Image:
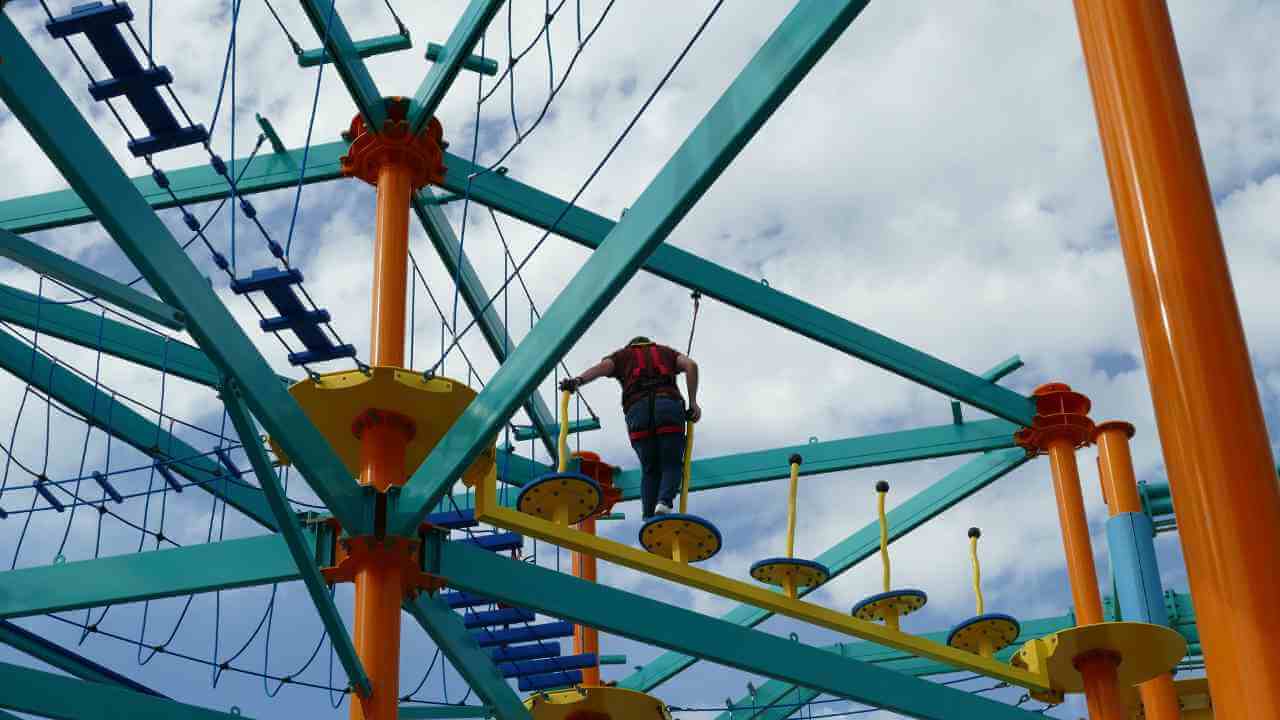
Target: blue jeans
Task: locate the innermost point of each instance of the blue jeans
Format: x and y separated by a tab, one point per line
661	455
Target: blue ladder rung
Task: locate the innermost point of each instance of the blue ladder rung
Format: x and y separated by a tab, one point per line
496	542
532	651
115	87
333	352
277	284
89	17
465	599
159	142
491	618
267	280
296	322
534	683
548	666
454	519
546	631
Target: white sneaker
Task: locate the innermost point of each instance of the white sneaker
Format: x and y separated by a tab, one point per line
662	509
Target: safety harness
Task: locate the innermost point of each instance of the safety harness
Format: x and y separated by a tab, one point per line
648	375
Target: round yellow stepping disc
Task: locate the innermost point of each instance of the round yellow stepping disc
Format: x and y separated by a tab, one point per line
335	400
1145	651
564	497
698	539
896	602
799	573
596	703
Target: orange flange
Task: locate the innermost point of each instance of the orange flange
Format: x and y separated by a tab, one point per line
423	153
353	554
1060	413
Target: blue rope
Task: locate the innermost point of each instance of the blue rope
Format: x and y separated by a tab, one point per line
306	149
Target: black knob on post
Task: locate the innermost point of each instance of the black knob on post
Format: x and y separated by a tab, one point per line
882	486
975	532
795	459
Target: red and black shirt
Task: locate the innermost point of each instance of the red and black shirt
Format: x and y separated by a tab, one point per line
645	369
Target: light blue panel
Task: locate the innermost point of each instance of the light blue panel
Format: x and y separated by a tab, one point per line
457	49
57	696
1134	568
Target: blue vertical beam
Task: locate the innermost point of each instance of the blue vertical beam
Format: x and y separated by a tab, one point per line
112	416
1131	545
513	198
769	77
473	664
474	294
56	696
457	49
43	261
57	656
645	620
61	131
299	548
911	514
342	49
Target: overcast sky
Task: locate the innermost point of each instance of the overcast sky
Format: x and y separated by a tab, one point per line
937	178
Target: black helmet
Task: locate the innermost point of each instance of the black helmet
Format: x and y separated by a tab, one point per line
639	340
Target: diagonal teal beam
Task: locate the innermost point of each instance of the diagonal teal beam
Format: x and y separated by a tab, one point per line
457	49
531	205
57	126
911	514
301	549
768	78
142	576
55	655
104	411
645	620
57	696
474	665
72	273
346	58
475	296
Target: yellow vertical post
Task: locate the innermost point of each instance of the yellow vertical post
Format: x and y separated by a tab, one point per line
562	444
791	506
974	534
688	467
882	490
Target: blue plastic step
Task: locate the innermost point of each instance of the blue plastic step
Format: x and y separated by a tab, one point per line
492	618
101	25
454	520
465	599
532	651
546	631
277	284
551	681
496	542
547	666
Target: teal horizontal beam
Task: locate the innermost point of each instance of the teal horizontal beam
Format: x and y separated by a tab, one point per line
57	126
474	63
96	332
474	665
104	411
429	712
645	620
837	455
146	576
300	545
768	78
55	655
60	697
529	432
336	39
364	48
533	206
191	185
457	50
72	273
911	514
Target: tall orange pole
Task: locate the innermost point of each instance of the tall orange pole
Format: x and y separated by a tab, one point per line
1221	470
586	639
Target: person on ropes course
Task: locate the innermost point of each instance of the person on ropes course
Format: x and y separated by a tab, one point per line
655	412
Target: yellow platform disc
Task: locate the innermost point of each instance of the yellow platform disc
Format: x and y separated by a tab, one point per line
335	400
698	539
567	498
898	602
1145	651
997	631
596	703
800	573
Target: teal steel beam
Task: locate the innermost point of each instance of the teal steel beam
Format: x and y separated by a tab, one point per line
769	77
191	185
475	296
57	696
335	38
301	548
55	655
457	49
911	514
86	329
146	576
474	63
72	273
57	126
533	206
427	712
645	620
837	455
474	665
529	432
364	48
104	411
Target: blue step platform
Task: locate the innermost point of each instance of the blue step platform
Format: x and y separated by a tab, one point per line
546	631
458	600
277	285
548	666
496	542
454	519
101	25
532	651
492	618
535	683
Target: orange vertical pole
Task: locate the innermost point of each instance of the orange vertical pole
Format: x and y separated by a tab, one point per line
390	264
1081	569
587	639
1221	470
